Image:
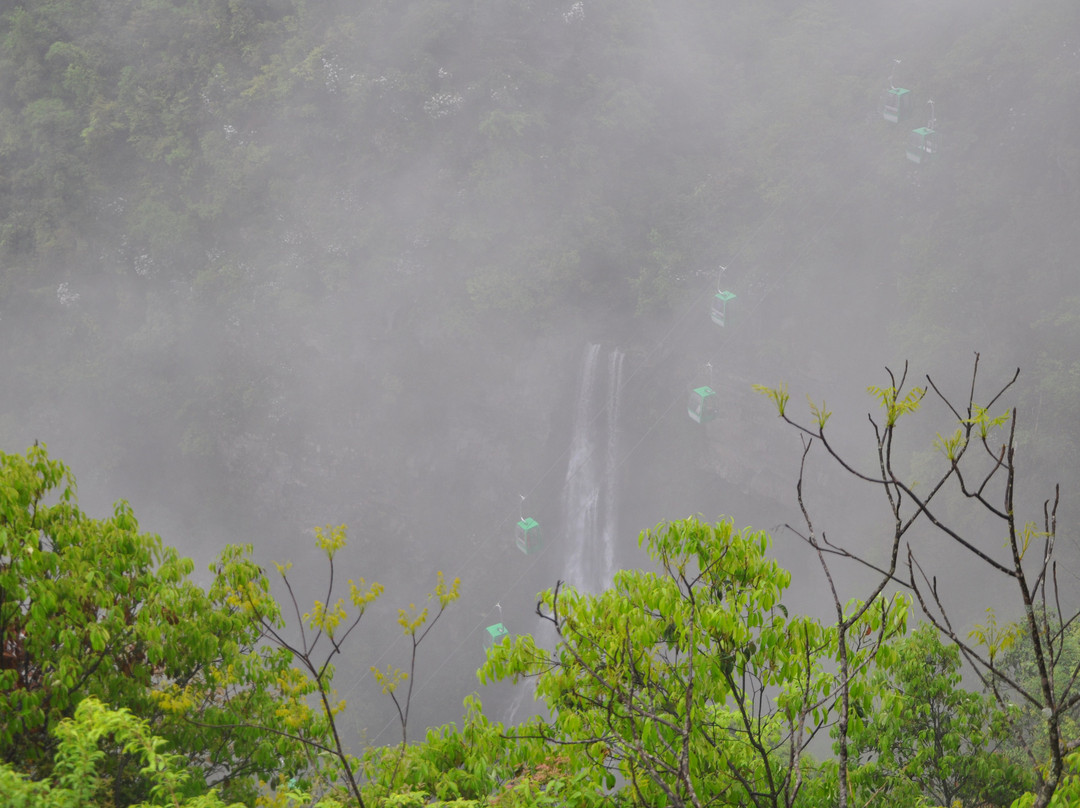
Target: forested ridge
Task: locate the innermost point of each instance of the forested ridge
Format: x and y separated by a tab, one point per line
268	264
224	204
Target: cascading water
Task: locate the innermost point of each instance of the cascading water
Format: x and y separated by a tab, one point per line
590	493
589	496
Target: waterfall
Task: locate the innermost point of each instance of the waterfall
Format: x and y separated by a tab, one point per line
590	493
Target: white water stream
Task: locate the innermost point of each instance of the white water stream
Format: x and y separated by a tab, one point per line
590	493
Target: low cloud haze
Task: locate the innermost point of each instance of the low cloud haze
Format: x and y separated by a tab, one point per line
267	267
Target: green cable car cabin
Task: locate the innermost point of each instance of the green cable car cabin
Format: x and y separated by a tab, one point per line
493	635
527	535
719	306
703	405
896	104
923	144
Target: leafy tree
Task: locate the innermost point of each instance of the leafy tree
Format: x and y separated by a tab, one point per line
852	695
310	674
1067	794
1016	659
94	612
693	684
83	741
978	470
930	739
96	608
482	763
75	779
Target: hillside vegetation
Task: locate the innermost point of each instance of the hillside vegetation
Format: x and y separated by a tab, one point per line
269	264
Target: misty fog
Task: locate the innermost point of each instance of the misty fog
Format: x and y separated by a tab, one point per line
427	269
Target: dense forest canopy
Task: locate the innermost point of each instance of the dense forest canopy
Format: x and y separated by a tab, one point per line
273	219
268	264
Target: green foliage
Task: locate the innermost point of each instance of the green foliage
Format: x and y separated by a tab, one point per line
1067	794
95	608
778	395
895	407
952	445
170	131
481	763
986	423
94	612
86	606
1017	664
821	414
994	638
1035	699
694	684
252	692
76	779
926	738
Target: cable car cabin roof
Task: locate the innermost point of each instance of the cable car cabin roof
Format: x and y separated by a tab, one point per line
897	91
922	131
495	634
725	296
704	391
528	523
